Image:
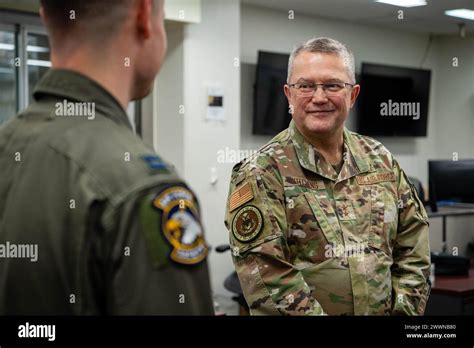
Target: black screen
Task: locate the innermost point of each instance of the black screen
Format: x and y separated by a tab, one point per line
393	101
270	113
451	181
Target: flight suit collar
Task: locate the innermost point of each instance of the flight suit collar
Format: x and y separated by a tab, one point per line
74	86
309	158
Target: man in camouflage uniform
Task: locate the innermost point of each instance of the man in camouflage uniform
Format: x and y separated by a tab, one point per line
116	230
323	220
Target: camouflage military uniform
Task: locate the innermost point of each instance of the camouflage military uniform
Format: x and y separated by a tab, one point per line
309	241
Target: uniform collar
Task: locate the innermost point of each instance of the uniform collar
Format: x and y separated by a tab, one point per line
73	86
355	162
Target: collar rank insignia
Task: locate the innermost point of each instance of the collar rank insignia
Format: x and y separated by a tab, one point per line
155	163
181	225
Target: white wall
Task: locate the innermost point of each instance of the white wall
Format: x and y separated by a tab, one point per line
168	129
455	97
183	10
210	49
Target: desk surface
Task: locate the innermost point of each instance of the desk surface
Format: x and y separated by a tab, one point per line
451	210
454	285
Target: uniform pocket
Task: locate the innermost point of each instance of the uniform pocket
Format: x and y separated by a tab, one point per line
383	219
330	284
305	237
326	217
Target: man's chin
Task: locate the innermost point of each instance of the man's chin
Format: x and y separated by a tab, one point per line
142	92
319	126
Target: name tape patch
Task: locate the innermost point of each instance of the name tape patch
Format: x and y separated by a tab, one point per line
313	185
370	179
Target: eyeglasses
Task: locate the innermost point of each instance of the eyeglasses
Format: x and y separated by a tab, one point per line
307	89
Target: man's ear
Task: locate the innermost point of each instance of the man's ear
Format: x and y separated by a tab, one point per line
287	91
354	94
144	17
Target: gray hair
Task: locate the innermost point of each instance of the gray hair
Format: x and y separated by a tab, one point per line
324	45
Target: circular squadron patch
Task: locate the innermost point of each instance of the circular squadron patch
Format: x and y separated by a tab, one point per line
247	223
181	225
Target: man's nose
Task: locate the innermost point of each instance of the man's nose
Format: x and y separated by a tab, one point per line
319	96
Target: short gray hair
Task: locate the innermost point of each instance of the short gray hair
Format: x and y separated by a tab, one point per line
324	45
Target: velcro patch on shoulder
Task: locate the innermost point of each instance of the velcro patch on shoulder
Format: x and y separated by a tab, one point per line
240	196
179	225
155	163
369	179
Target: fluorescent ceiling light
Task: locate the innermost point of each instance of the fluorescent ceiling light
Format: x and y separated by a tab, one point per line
43	63
29	48
403	3
7	47
37	49
461	13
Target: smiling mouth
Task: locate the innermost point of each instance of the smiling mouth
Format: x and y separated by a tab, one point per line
317	112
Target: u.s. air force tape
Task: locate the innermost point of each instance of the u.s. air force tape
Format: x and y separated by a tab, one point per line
247	224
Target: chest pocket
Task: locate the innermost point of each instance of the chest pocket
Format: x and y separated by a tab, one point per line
383	211
312	223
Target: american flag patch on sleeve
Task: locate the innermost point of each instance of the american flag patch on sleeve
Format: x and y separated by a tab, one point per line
240	196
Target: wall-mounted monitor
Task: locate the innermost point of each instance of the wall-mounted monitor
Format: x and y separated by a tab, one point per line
270	109
393	101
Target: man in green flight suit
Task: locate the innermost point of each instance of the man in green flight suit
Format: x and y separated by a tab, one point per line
92	221
323	220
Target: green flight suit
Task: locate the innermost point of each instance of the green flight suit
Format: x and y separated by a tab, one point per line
116	230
